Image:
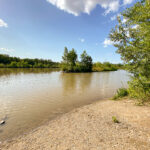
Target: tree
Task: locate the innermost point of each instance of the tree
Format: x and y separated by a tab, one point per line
72	57
65	56
69	60
86	61
132	39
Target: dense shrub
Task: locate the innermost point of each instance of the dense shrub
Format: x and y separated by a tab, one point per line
106	66
121	92
139	88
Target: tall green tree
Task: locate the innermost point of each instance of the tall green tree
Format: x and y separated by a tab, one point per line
65	56
132	39
69	60
72	57
86	61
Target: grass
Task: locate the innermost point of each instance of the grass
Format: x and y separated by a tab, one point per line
115	120
121	92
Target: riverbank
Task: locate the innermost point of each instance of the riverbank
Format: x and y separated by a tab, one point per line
91	128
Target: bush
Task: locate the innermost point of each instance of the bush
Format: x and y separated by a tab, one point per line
13	64
122	92
106	66
97	69
139	88
2	65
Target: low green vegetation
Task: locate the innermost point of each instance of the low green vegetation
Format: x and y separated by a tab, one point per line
121	92
132	40
106	66
115	120
70	63
14	62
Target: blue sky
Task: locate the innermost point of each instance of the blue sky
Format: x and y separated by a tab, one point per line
41	28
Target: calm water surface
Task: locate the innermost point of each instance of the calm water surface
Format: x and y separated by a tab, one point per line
30	97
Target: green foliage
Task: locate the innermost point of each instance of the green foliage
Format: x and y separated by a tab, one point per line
13	62
69	60
132	40
98	67
115	120
72	58
70	63
121	92
106	66
139	88
86	62
65	56
2	66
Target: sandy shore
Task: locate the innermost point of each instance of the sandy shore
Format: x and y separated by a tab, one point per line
91	128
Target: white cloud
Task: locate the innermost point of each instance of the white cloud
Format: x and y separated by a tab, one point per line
107	42
3	24
82	40
126	2
76	7
111	6
6	50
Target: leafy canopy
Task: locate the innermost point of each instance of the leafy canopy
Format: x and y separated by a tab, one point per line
86	61
132	39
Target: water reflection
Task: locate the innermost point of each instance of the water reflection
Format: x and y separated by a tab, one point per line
85	81
16	71
72	83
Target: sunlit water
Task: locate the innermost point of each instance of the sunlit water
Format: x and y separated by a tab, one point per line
30	97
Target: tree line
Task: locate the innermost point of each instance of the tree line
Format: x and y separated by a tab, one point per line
14	62
70	63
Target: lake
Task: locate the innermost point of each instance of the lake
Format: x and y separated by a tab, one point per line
31	97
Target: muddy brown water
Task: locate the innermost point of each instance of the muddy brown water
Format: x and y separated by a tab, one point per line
30	97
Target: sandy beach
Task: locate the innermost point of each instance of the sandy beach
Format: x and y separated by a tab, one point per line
91	128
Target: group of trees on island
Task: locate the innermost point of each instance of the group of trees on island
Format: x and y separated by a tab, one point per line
14	62
132	39
70	61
